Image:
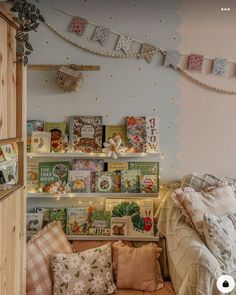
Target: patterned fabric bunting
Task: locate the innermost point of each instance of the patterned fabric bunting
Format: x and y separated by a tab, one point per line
78	25
219	66
101	34
147	48
195	62
172	58
124	43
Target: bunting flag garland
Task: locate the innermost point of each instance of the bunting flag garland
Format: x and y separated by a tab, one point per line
146	50
101	34
124	43
219	66
172	58
195	62
78	25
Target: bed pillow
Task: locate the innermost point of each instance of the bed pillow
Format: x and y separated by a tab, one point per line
39	249
87	272
193	205
220	236
138	268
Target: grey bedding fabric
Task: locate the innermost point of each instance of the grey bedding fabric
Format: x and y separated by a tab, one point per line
193	268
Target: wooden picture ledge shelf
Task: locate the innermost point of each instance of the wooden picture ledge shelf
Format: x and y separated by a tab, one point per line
51	67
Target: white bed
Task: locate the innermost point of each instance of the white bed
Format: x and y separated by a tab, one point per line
192	267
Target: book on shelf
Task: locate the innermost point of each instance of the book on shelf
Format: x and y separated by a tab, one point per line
117	166
34	222
116	176
148	184
2	158
139	215
58	132
130	181
10	172
77	221
40	142
45	212
2	178
86	133
9	152
100	223
58	214
142	134
32	179
113	130
79	181
119	226
104	182
33	125
52	172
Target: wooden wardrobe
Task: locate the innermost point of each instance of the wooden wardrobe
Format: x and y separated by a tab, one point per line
12	129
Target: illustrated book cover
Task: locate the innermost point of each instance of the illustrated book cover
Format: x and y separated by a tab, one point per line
40	142
77	221
113	130
119	226
52	172
104	182
86	133
33	125
58	214
32	180
2	158
10	173
130	181
8	152
79	181
117	166
58	131
45	212
100	223
34	223
148	184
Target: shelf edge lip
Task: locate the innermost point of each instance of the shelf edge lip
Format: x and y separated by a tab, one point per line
89	155
10	140
4	194
93	195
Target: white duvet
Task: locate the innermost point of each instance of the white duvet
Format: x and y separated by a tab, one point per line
193	268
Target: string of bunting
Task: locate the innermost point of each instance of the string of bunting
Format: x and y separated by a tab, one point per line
172	58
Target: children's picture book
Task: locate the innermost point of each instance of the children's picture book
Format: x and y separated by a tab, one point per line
58	131
117	166
58	214
100	219
130	181
8	152
9	172
2	158
113	130
52	172
33	125
40	142
79	181
148	184
119	226
86	133
2	178
45	212
116	175
142	134
77	221
32	180
139	215
146	168
34	222
104	182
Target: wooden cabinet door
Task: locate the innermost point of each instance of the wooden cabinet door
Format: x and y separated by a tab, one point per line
7	80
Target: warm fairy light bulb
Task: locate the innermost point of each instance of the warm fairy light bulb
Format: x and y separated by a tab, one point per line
90	203
80	202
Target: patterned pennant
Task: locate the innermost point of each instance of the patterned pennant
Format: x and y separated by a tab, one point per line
147	48
78	25
124	43
195	62
219	66
101	34
172	58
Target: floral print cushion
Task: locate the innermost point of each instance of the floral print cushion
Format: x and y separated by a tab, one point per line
220	236
88	272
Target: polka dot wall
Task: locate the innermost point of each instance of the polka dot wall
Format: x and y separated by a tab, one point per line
123	86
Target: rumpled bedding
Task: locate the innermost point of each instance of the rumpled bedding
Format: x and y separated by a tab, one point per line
192	267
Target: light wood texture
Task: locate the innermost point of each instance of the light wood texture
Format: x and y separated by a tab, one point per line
48	67
10	140
7	15
5	193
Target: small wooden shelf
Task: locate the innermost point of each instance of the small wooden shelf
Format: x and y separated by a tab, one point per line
94	195
112	238
4	193
10	140
90	155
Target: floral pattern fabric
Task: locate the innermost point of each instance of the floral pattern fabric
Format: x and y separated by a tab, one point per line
88	272
195	62
219	66
78	25
101	34
124	43
220	236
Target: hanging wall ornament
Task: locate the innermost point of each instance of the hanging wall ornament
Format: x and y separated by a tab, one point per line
101	34
172	58
124	43
219	66
113	147
148	51
78	25
195	62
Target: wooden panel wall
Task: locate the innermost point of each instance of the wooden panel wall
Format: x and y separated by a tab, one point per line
12	245
7	81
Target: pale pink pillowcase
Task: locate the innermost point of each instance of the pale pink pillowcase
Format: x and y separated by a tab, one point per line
193	205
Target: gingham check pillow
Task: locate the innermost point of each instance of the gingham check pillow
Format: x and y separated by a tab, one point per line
50	240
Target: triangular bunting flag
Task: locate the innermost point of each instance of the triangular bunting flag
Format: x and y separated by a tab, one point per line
78	25
146	48
195	62
172	58
101	34
124	43
219	66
